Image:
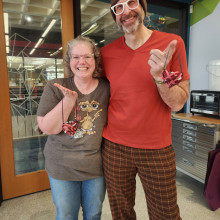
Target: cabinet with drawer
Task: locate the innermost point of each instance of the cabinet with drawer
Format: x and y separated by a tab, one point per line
193	137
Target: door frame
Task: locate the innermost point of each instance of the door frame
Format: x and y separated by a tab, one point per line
14	186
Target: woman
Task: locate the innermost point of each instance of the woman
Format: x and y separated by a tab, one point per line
72	151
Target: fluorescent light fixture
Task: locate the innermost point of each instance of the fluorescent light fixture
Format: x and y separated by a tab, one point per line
36	45
56	52
6	23
6	32
91	29
102	41
49	27
43	35
7	43
32	51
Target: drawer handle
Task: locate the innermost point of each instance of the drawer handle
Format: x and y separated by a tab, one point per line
188	144
188	138
187	162
192	127
188	150
189	132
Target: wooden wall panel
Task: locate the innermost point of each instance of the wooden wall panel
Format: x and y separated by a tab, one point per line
5	113
67	22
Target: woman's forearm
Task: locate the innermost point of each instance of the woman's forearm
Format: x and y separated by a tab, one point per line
52	122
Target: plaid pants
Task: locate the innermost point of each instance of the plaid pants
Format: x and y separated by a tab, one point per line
156	169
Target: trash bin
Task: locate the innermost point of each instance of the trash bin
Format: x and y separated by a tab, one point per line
213	69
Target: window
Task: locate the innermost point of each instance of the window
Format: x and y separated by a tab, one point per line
33	47
97	23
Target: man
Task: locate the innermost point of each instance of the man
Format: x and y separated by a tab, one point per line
137	138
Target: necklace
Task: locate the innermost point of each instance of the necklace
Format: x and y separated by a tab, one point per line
70	127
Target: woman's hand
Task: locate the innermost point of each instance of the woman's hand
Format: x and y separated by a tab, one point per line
52	122
68	94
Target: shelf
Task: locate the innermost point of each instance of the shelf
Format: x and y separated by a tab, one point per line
197	118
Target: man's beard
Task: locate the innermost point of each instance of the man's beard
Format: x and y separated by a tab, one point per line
132	28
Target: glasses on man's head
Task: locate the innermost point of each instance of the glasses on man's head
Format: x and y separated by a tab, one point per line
86	57
120	7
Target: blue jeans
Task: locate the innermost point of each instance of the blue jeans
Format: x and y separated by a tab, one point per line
69	195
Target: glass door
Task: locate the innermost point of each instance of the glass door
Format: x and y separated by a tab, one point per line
34	56
98	24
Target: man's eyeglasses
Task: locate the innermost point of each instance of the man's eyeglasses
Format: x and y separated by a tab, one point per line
86	57
120	7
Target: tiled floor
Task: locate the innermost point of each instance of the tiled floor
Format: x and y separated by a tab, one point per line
39	206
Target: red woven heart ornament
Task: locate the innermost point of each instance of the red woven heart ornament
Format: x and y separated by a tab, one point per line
172	78
70	127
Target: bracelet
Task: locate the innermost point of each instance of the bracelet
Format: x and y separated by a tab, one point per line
158	82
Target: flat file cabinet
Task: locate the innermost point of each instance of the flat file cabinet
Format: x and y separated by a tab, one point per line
193	137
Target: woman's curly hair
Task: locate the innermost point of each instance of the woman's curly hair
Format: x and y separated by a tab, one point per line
96	51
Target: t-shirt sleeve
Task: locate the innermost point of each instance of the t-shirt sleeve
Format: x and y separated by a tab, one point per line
49	99
180	59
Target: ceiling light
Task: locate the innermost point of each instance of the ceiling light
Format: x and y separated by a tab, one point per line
6	32
91	29
49	27
43	35
28	18
56	52
6	23
7	43
32	51
36	45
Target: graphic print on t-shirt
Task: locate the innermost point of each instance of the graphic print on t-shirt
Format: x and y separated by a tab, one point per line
87	122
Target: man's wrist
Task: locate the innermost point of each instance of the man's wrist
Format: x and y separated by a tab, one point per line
158	81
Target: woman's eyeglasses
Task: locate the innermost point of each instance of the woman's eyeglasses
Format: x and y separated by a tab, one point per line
86	57
172	78
70	127
120	7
